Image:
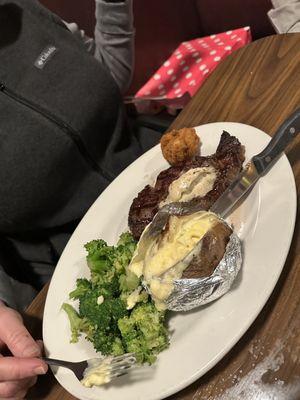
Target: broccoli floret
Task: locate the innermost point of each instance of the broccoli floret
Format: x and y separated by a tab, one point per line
82	286
129	282
144	333
139	347
149	319
132	298
124	252
101	314
103	342
105	262
117	347
107	344
143	297
109	289
77	324
90	309
118	309
98	247
107	338
104	318
100	260
126	239
127	328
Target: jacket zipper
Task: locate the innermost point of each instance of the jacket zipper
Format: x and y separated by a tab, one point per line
72	133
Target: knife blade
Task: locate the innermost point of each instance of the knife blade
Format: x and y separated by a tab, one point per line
258	166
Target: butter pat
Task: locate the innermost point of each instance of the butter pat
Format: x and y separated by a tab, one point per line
196	182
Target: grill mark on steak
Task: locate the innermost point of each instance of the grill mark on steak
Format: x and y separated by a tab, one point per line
227	161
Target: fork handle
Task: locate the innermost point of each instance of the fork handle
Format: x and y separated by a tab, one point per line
59	363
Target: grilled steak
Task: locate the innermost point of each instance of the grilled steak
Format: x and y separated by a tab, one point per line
227	161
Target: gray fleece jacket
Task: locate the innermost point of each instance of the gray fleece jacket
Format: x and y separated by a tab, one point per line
113	48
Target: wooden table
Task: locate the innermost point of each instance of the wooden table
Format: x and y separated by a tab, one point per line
257	85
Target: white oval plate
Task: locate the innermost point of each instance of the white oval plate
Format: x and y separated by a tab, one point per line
199	339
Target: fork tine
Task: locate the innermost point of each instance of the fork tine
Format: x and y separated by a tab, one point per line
129	361
123	357
121	368
118	374
120	365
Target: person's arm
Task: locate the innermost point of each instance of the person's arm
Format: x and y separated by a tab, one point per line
285	16
114	39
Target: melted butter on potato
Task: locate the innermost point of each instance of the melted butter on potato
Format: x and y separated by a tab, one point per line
161	261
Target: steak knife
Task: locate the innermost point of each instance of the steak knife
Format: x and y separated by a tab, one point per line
258	166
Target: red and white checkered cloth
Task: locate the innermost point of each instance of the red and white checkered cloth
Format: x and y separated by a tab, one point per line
191	63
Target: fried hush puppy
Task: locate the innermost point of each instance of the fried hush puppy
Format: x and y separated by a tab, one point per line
179	146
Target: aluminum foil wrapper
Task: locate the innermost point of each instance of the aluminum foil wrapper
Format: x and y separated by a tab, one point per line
191	293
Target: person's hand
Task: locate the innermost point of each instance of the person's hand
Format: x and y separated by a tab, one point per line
19	371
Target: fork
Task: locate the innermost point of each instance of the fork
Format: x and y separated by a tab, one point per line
117	366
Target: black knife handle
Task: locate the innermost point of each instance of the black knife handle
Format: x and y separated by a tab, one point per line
284	135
